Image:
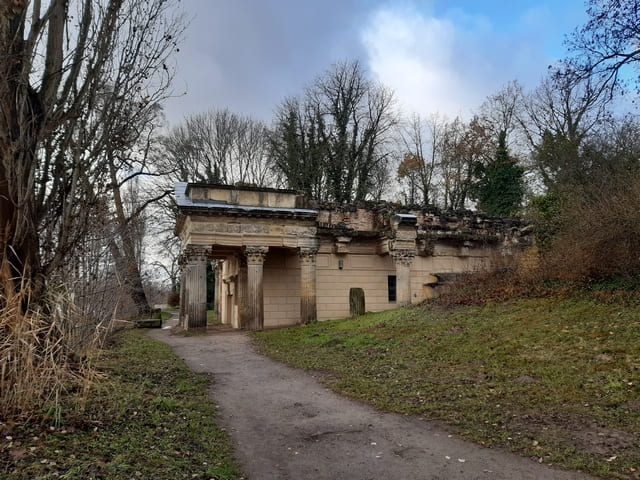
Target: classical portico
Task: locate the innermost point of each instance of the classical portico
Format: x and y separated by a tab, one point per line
278	262
241	229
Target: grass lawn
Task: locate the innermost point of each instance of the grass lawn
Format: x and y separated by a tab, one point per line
554	379
211	318
149	418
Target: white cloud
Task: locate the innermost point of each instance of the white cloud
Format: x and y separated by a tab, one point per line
446	65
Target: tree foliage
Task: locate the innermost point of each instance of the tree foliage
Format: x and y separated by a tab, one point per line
218	146
297	151
464	147
557	118
421	144
498	186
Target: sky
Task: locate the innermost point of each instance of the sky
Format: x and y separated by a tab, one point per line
438	56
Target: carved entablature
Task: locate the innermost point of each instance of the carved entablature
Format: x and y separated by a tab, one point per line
342	244
307	255
255	255
402	244
403	256
245	220
425	246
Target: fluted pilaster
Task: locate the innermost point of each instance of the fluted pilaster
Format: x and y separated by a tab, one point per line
403	260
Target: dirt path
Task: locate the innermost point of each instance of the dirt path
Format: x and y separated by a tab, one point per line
286	425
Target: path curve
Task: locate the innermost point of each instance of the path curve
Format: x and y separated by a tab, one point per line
286	425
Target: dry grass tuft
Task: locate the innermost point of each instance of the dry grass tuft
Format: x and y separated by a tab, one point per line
43	355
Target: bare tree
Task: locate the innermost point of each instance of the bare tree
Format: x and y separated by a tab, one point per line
422	143
557	117
217	147
132	192
344	123
500	113
607	43
76	78
463	146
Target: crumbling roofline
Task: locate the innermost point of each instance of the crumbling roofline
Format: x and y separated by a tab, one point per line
248	188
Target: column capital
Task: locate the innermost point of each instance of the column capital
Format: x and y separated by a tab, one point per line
242	259
403	256
307	255
195	254
255	254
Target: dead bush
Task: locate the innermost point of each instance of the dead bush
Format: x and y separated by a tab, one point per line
599	233
44	354
505	277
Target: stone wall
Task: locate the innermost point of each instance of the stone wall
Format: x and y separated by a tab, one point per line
280	261
281	288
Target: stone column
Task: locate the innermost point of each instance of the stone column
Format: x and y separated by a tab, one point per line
217	293
308	312
183	292
242	287
255	306
196	290
403	260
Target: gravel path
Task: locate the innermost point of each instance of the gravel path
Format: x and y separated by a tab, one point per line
286	425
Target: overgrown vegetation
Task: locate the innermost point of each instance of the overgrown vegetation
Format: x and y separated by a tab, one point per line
556	379
149	417
598	232
44	355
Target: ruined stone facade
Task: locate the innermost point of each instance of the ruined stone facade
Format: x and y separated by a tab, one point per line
279	260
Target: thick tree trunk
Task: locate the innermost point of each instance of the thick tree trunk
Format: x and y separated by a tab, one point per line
20	127
128	271
128	265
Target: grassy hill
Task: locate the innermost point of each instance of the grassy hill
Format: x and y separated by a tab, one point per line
556	379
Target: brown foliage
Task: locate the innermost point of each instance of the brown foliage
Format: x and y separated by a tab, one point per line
599	234
506	278
596	249
43	355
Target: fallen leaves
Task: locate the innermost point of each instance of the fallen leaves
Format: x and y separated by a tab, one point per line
17	454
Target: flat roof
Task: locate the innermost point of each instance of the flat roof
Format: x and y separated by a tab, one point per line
248	188
185	202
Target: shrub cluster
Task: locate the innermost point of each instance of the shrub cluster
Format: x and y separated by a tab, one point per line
598	234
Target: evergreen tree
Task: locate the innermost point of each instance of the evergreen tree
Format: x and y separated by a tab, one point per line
499	186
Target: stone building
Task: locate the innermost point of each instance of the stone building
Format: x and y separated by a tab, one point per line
280	260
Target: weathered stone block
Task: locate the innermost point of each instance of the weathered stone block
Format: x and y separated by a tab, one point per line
148	323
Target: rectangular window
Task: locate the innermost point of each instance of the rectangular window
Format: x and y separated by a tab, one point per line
391	287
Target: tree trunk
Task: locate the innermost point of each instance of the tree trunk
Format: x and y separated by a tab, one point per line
128	263
128	271
20	128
